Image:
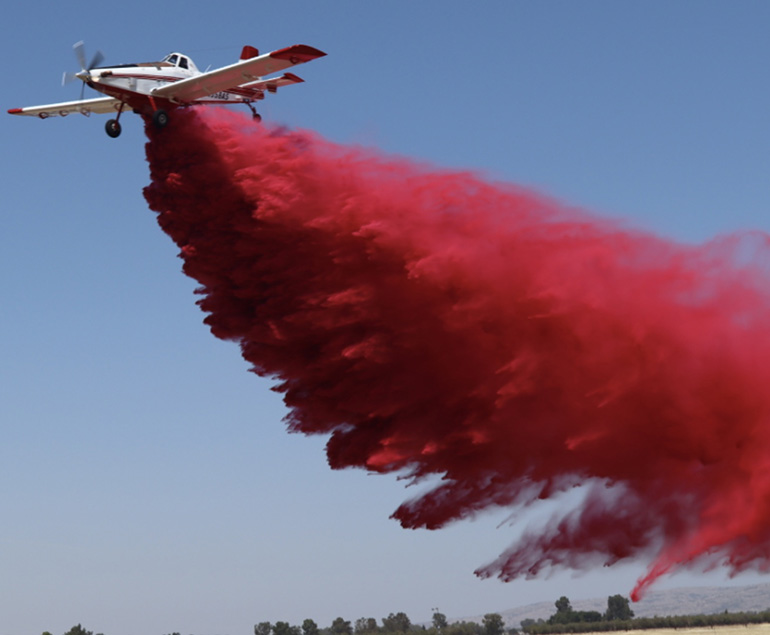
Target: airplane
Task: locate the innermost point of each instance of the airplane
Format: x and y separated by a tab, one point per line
154	89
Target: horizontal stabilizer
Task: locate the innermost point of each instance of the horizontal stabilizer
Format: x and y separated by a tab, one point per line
274	83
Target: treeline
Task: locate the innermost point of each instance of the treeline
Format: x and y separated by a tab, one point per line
568	620
620	617
393	624
617	617
75	630
542	627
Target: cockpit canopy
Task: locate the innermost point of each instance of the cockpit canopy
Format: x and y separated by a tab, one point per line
179	60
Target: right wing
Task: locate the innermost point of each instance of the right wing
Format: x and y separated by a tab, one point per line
99	105
242	72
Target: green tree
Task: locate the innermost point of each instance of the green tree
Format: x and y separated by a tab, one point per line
284	628
396	623
365	625
78	630
588	616
564	613
439	620
341	627
493	624
464	628
618	608
309	627
563	605
263	628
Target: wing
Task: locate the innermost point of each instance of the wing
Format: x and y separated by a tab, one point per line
99	105
242	72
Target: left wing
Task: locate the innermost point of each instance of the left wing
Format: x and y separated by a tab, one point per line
242	72
99	105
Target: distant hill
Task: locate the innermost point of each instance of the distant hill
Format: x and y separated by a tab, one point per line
683	601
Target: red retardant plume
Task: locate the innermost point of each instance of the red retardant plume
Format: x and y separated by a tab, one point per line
437	325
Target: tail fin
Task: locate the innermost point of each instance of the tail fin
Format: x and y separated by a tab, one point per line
248	52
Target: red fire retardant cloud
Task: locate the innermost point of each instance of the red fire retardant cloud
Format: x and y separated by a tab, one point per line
436	325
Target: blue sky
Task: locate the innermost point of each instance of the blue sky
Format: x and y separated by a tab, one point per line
148	484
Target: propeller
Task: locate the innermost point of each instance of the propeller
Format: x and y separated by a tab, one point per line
85	70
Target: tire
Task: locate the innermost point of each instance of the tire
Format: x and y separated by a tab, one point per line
160	118
112	127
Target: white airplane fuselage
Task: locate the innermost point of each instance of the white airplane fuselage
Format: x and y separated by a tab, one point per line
129	81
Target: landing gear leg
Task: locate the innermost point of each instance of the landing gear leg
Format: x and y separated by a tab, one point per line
112	127
254	114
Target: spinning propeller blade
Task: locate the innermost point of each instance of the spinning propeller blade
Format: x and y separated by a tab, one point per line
85	71
96	60
79	49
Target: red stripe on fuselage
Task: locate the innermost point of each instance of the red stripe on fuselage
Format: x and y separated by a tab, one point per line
156	78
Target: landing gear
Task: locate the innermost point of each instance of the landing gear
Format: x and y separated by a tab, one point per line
254	114
160	118
112	127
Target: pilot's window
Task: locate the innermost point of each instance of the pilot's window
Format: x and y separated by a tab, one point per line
172	59
183	62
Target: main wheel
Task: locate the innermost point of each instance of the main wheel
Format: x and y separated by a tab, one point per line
160	118
257	117
112	127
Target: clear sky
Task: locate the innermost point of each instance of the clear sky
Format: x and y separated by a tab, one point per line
148	484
